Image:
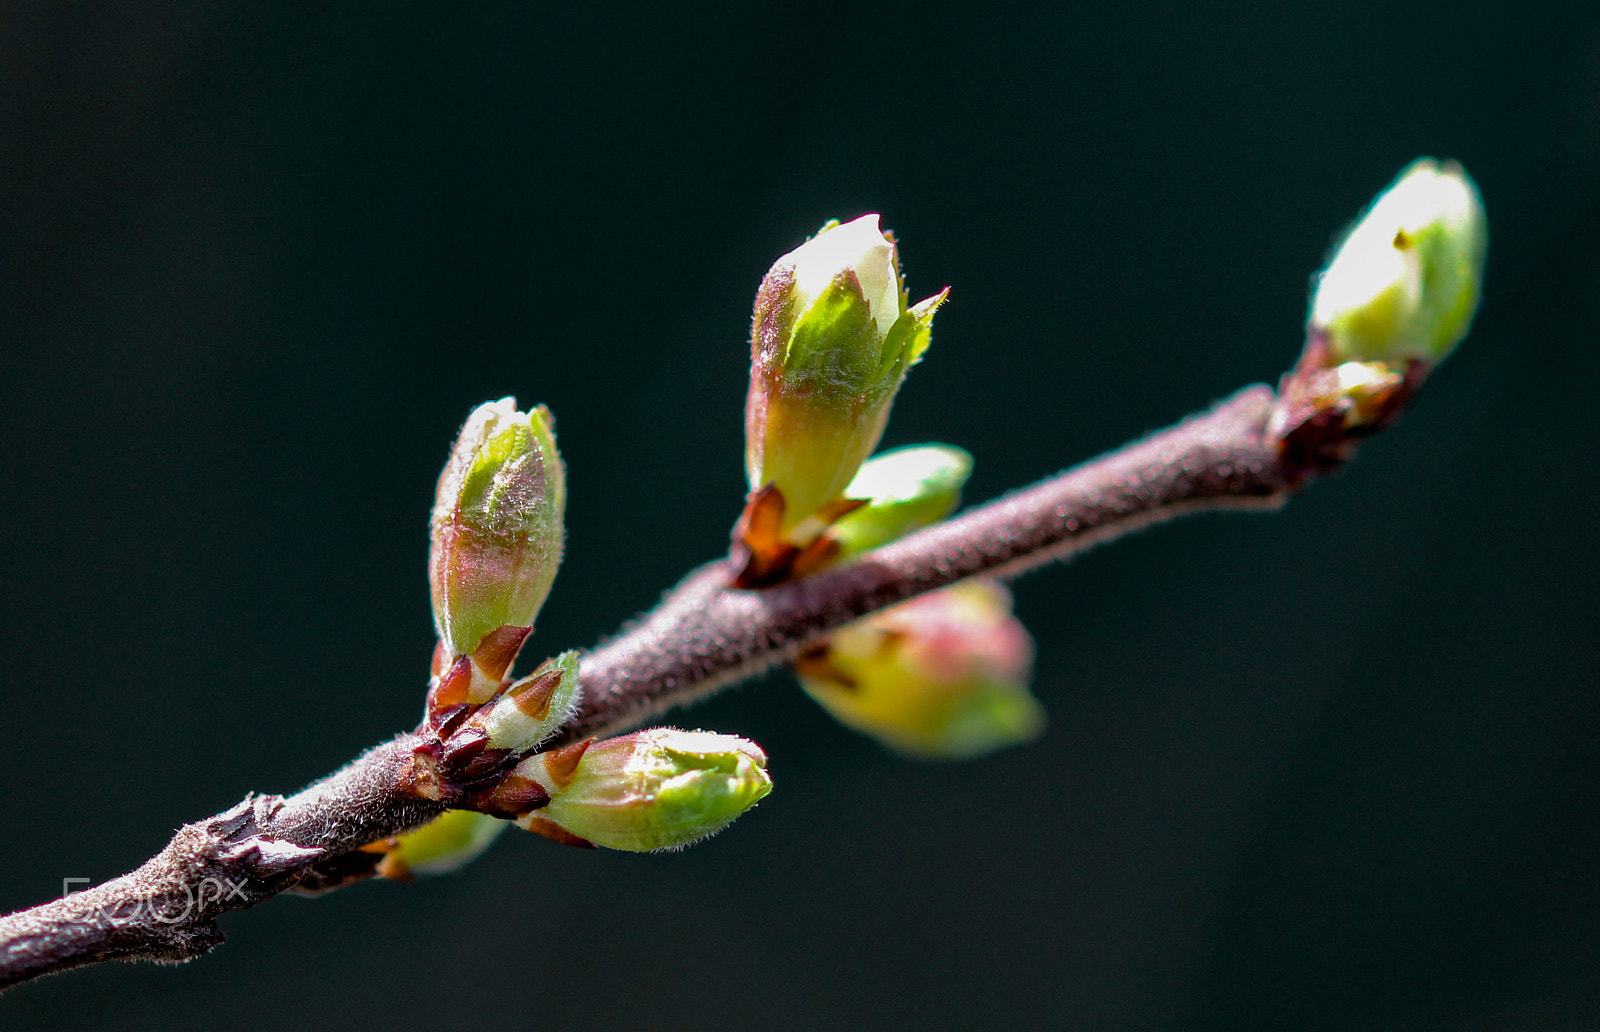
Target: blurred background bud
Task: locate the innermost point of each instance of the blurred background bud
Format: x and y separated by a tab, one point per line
497	525
906	489
448	843
656	789
943	676
1404	283
831	340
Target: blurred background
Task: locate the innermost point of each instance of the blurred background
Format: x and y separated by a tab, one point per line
1334	768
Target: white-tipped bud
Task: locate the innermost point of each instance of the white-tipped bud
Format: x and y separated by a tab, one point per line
1404	283
831	340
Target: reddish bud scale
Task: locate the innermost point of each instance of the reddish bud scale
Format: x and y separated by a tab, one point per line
394	869
524	713
554	832
461	748
533	696
472	777
499	650
477	678
561	765
767	557
453	687
512	796
482	765
469	764
1319	422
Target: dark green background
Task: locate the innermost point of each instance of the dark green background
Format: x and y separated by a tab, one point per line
1333	768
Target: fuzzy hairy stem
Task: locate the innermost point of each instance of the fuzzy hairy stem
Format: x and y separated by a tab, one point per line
704	636
166	910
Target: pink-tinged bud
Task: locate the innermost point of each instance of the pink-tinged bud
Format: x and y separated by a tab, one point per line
656	789
496	529
943	676
831	341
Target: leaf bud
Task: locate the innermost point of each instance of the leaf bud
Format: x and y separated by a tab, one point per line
528	711
831	340
906	489
943	676
497	525
1404	283
655	789
447	843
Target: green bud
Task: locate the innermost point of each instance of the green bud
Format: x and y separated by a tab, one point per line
943	676
449	842
831	340
656	789
1404	283
906	489
528	711
497	525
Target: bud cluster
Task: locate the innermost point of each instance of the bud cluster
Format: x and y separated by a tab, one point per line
495	545
831	340
944	675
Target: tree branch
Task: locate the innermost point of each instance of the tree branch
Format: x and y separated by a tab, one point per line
703	637
166	910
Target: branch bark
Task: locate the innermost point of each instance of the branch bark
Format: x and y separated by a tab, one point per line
166	910
703	637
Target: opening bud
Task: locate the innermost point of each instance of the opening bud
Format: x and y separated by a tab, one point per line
831	340
906	489
656	789
448	843
528	711
1404	283
497	525
943	676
